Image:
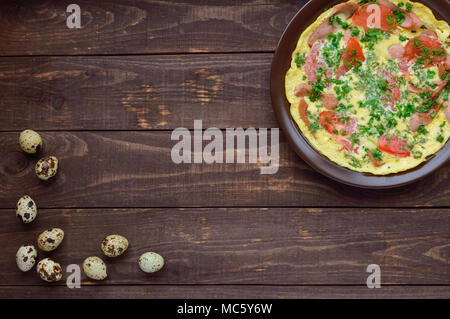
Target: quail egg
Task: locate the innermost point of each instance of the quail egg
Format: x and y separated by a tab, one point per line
50	239
114	245
150	262
94	268
49	270
46	167
26	257
26	209
30	141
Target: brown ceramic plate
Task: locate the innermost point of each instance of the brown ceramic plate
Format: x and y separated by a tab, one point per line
281	64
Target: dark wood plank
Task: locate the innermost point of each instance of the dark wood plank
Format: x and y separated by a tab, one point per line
245	246
138	26
135	169
135	92
226	292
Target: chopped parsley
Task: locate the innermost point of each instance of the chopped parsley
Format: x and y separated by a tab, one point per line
409	7
440	139
331	52
333	20
405	110
355	32
377	155
318	87
399	16
342	91
403	38
300	60
313	122
390	19
372	36
354	162
422	130
342	108
417	154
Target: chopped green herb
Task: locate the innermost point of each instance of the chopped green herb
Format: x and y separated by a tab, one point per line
422	130
354	162
399	16
430	74
355	32
440	138
337	20
377	155
405	110
361	2
403	38
300	60
341	108
331	52
342	91
313	122
417	42
417	154
409	7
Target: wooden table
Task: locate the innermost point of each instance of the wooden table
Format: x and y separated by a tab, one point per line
106	98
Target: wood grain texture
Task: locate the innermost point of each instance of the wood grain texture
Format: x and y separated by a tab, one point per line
245	246
135	92
135	169
225	292
138	26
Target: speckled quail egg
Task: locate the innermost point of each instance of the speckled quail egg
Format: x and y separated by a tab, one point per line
50	239
94	268
30	141
26	209
26	257
49	270
46	167
114	245
150	262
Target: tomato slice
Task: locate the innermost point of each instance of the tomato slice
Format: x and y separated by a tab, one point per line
341	128
394	145
388	23
415	49
352	54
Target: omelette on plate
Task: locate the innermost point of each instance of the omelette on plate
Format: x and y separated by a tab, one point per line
368	85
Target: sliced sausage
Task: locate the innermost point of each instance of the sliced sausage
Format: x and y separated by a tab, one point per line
396	51
430	33
418	119
311	63
303	111
322	32
412	22
414	89
329	101
303	89
440	86
347	9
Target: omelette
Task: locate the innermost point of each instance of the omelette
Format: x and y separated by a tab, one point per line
368	85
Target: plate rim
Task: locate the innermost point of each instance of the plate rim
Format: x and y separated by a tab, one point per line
299	142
